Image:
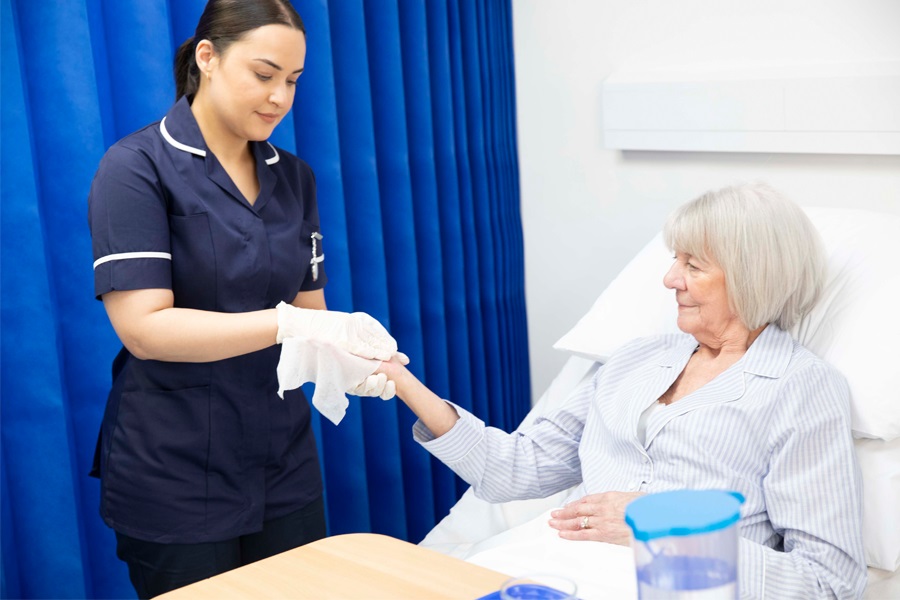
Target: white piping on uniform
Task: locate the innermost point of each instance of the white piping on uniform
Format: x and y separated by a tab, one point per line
127	255
177	144
274	159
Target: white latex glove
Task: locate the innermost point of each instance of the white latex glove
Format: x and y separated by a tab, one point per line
379	385
358	333
375	385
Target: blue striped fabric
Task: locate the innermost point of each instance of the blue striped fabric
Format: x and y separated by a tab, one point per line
774	427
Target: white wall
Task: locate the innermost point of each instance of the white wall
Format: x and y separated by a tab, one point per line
587	210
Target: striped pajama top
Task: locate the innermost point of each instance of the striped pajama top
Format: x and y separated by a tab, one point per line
775	427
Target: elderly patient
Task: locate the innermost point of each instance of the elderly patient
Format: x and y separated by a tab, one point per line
733	403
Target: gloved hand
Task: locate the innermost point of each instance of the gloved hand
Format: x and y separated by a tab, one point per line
379	385
375	385
357	333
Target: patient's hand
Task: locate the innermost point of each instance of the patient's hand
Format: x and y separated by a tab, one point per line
597	517
394	368
437	415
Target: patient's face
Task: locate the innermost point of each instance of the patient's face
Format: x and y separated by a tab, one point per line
699	285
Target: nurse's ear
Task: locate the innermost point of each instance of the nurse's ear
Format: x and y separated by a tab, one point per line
206	57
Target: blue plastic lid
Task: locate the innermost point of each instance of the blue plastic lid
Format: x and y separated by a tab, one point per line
682	512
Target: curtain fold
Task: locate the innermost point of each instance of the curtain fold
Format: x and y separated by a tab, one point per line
398	232
406	113
448	216
426	214
362	199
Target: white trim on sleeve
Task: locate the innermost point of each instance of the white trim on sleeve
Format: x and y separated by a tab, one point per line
128	255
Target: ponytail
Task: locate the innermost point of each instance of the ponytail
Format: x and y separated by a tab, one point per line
187	75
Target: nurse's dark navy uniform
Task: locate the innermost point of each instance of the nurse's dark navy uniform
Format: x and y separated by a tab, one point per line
202	452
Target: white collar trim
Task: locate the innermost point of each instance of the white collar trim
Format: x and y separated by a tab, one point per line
175	143
274	159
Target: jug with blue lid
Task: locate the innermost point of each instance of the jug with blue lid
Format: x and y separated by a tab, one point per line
686	544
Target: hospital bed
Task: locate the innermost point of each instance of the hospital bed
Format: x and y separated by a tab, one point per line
855	327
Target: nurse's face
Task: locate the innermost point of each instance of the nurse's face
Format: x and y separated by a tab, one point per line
251	85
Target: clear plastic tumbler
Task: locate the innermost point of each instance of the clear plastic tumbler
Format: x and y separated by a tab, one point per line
686	544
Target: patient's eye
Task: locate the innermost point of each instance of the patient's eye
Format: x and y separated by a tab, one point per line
685	259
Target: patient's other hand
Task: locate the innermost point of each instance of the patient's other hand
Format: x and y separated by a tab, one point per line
596	517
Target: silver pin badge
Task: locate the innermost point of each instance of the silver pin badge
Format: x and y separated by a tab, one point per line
316	259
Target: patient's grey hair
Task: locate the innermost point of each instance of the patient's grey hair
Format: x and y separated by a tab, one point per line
771	253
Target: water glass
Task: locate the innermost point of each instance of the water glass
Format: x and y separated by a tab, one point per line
686	544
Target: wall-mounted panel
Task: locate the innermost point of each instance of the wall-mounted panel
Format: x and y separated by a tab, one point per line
842	108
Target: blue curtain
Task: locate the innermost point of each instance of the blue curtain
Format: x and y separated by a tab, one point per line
406	112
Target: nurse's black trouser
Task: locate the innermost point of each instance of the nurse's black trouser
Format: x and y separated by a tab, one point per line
155	569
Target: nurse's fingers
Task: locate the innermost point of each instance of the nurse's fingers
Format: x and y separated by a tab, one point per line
390	390
376	386
373	385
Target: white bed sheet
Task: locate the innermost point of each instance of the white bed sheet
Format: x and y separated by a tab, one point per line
599	570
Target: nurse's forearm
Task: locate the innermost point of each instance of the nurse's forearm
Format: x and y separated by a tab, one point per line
151	328
435	413
187	335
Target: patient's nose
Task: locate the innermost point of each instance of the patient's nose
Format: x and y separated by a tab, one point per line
674	278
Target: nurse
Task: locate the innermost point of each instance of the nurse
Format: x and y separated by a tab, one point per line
200	229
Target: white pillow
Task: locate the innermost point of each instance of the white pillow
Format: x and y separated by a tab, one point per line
855	326
635	304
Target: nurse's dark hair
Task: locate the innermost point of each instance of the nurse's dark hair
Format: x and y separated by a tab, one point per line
224	22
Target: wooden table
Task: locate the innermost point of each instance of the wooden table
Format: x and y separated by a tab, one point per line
354	566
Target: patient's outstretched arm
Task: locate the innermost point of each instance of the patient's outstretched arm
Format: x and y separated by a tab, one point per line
436	414
532	463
